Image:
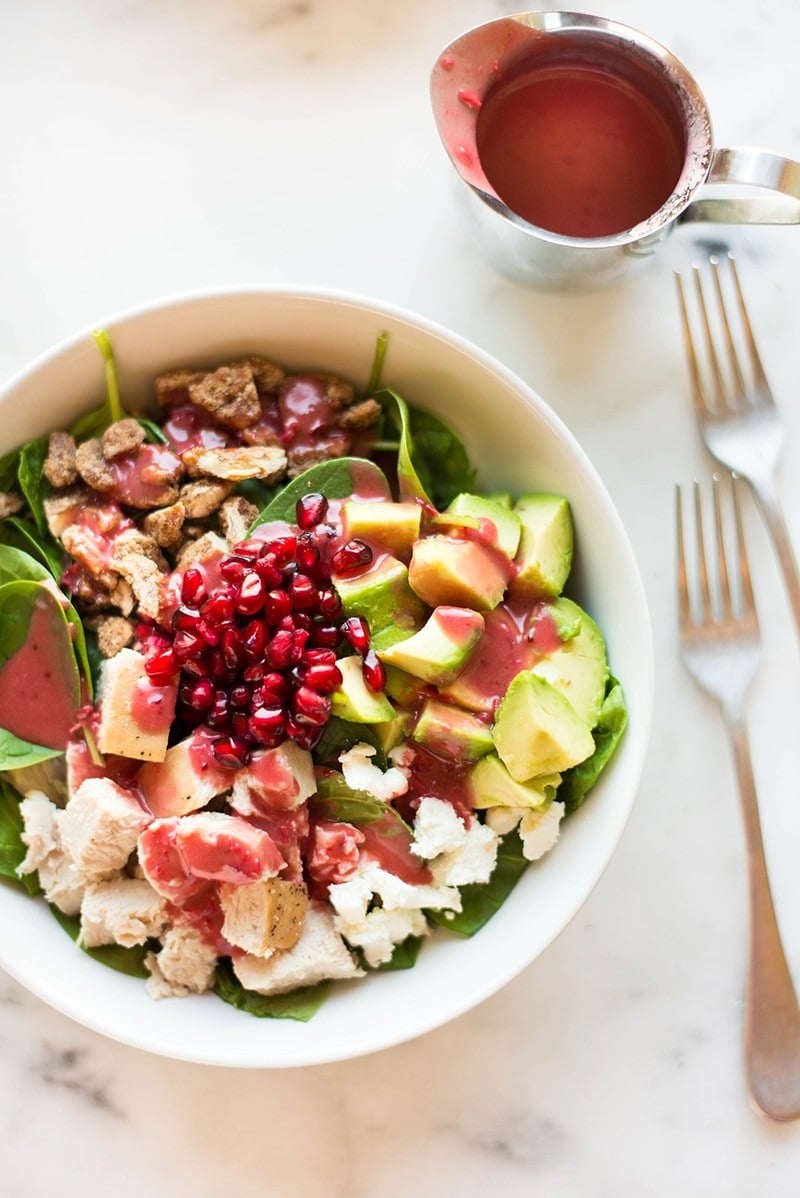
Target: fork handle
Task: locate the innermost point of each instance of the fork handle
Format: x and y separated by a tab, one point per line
772	1014
766	493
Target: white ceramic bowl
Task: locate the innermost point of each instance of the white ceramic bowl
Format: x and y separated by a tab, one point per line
519	445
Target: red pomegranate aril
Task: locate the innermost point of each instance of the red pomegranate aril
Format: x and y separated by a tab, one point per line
231	751
302	591
240	695
268	720
277	605
325	635
209	632
374	671
193	587
253	673
307	554
254	639
284	549
231	648
352	556
250	596
199	695
186	619
276	683
216	665
310	510
319	657
310	707
268	572
195	667
355	631
279	650
286	623
329	604
248	549
232	570
240	725
309	736
326	679
299	638
187	645
163	663
219	608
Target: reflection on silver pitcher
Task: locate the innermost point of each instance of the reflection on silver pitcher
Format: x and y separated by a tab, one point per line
582	143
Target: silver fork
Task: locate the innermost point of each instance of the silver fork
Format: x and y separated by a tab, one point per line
738	419
721	647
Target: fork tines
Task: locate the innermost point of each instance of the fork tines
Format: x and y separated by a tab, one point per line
724	588
732	379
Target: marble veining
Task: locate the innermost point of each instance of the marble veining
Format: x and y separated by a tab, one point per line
150	148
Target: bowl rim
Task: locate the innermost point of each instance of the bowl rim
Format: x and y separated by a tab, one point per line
423	1020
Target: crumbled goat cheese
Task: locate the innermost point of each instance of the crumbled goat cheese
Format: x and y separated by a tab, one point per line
184	965
539	830
124	911
458	854
360	774
320	953
373	930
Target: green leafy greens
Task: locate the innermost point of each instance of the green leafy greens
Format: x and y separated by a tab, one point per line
12	850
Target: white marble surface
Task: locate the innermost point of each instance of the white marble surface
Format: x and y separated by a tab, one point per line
154	146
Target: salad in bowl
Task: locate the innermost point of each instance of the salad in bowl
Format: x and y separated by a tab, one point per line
286	693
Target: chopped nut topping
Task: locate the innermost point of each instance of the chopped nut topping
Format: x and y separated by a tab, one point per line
302	459
59	509
229	395
267	376
360	415
139	559
172	387
60	468
236	517
201	498
266	462
113	633
165	525
122	437
10	504
93	467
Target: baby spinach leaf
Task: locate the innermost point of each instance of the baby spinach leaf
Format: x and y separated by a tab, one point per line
9	464
336	479
12	850
336	800
94	423
23	534
17	754
480	900
18	566
115	956
340	735
299	1004
578	781
155	433
432	463
32	481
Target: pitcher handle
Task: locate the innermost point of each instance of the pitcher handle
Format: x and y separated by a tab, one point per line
747	167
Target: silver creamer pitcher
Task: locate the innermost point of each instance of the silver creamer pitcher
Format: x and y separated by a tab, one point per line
481	58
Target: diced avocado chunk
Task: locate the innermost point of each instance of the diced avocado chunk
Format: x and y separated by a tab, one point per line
502	497
441	648
354	700
579	668
450	732
392	733
393	526
384	598
458	571
544	556
499	526
537	731
402	687
490	785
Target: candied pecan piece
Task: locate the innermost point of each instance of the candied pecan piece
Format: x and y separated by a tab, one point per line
267	375
303	458
165	525
230	395
202	497
93	467
236	517
200	549
60	468
123	436
236	463
59	509
172	387
360	415
139	560
10	504
113	633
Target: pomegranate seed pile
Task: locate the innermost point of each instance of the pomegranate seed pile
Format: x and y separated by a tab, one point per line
256	657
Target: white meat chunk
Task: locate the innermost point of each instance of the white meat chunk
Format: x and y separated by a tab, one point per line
263	916
184	965
40	830
62	882
124	911
320	953
100	826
